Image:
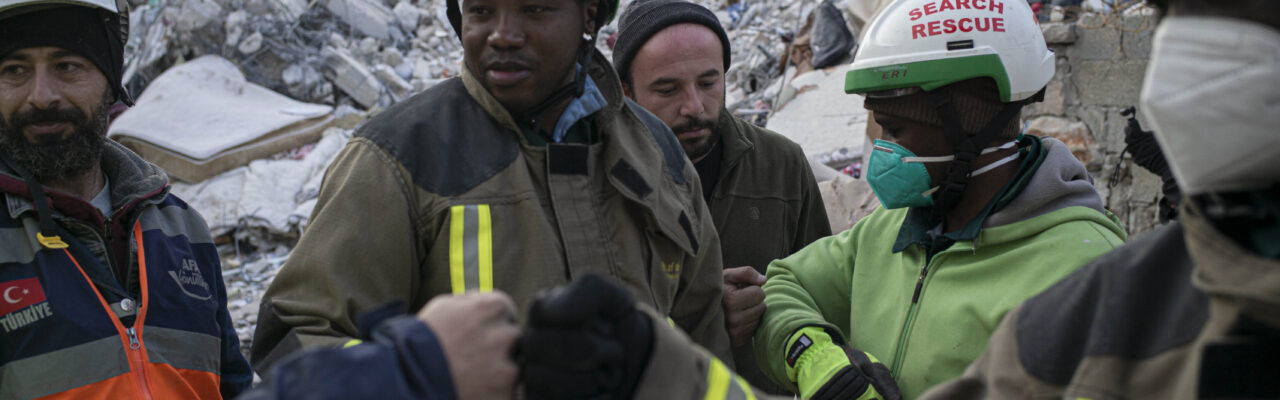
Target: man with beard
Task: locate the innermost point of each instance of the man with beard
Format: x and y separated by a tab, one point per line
1192	309
671	56
529	170
97	260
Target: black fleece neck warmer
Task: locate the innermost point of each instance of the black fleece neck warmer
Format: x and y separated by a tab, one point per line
87	32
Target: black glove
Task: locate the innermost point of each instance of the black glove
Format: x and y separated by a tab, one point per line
1147	154
854	380
584	340
1142	144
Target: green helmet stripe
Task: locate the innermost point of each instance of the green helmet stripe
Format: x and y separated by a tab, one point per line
929	75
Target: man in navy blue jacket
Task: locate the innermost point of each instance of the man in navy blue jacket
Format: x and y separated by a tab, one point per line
110	286
456	347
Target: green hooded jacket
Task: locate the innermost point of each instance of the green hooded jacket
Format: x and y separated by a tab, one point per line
856	284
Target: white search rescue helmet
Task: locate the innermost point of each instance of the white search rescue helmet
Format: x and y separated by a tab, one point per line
916	45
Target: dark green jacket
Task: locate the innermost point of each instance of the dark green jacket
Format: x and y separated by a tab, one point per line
765	206
441	194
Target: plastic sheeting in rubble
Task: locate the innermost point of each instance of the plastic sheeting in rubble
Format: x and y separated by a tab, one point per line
274	194
201	118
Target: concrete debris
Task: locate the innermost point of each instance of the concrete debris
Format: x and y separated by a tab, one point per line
274	195
251	44
408	16
1074	133
847	200
815	112
393	81
1058	32
370	18
195	14
368	46
352	76
281	45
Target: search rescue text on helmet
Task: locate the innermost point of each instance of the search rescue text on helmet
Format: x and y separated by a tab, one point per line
952	25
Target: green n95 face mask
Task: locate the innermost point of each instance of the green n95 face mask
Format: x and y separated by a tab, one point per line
899	178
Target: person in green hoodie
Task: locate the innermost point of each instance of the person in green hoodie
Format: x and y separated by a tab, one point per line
976	217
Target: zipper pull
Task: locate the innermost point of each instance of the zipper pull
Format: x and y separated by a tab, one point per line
915	297
133	339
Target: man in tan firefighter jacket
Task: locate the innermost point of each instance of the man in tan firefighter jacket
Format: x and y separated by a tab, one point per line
529	170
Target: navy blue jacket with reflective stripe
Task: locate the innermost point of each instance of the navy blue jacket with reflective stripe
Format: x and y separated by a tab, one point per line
76	335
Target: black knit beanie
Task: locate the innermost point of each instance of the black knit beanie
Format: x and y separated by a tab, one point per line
644	18
85	31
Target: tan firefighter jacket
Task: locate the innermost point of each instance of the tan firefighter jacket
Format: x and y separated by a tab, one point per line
1184	312
442	194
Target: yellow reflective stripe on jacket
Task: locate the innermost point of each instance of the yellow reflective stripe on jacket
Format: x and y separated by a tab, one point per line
718	384
470	248
717	380
485	248
745	388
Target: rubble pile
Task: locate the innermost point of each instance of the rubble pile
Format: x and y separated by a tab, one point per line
372	53
760	33
364	53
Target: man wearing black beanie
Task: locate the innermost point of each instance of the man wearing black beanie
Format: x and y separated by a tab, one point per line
672	56
98	261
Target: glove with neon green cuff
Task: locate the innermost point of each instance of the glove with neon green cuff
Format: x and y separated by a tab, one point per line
824	369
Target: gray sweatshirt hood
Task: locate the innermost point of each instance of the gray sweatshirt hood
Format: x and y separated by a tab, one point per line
1060	182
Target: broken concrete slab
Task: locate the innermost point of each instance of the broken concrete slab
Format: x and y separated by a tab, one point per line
399	87
821	117
195	14
407	15
352	76
370	18
1058	32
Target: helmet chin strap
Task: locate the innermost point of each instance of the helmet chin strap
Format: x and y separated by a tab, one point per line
569	91
967	148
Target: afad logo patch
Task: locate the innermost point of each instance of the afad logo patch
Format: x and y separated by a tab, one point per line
22	302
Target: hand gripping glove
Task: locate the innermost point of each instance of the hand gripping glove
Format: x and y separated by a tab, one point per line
824	369
584	341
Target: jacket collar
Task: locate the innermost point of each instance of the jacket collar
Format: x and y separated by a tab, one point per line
600	71
133	180
626	141
736	137
1224	269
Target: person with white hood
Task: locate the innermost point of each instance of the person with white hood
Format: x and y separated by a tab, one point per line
1191	310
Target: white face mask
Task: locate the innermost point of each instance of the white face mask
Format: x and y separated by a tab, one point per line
1212	95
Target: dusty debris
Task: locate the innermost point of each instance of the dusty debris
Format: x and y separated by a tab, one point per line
821	117
281	45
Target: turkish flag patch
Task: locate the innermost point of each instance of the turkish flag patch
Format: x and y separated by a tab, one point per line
20	294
